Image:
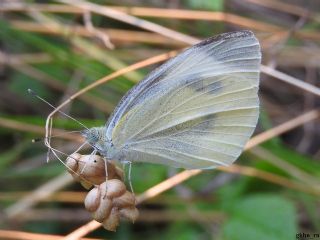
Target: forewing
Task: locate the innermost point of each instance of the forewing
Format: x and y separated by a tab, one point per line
196	111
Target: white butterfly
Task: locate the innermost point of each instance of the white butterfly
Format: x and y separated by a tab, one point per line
197	110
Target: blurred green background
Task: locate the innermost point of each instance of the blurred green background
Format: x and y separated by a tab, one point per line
57	49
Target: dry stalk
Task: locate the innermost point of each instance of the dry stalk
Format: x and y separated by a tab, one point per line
168	13
27	127
42	192
19	235
118	35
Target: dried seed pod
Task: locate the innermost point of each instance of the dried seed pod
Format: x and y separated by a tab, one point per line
112	222
103	210
90	169
92	200
125	200
97	203
131	214
73	163
109	201
115	188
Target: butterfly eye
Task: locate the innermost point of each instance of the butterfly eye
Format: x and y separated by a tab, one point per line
91	135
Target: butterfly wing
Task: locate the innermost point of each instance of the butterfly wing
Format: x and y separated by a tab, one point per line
197	110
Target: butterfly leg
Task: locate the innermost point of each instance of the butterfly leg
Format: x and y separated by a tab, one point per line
129	177
48	139
107	176
86	164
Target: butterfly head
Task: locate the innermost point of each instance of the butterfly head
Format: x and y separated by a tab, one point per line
96	137
93	135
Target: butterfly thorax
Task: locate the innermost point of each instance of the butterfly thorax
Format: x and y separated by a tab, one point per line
97	138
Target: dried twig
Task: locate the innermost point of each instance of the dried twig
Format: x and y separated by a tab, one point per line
68	215
87	47
289	79
61	196
287	8
123	17
118	35
40	193
168	13
96	32
282	128
19	235
27	127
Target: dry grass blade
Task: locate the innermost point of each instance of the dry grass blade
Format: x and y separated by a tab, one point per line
31	58
155	12
18	235
85	46
83	230
285	7
170	13
290	80
40	193
270	177
26	127
61	196
167	184
116	35
106	11
201	15
282	128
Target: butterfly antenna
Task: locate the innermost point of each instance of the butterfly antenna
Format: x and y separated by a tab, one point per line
33	93
58	135
36	140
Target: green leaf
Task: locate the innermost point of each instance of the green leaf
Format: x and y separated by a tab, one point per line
216	5
263	217
183	231
6	158
146	175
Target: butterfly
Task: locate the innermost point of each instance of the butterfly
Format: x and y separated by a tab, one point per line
196	111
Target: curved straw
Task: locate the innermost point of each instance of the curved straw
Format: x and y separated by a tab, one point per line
118	73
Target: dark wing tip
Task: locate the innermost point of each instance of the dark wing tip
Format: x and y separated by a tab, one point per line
226	36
